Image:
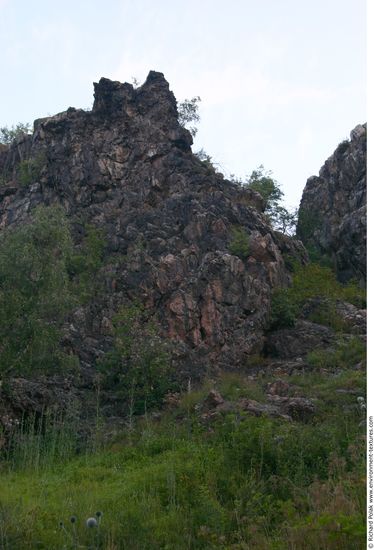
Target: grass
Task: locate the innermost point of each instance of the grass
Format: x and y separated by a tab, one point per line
309	282
178	483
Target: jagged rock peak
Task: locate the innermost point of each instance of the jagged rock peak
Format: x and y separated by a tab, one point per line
112	97
169	223
332	215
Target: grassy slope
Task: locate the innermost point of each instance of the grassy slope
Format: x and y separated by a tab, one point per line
239	482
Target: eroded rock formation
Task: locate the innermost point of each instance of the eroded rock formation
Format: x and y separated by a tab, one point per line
332	215
127	167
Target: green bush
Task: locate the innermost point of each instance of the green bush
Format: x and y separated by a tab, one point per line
29	170
308	222
314	281
85	262
182	481
347	354
326	314
139	366
35	293
239	243
283	310
8	135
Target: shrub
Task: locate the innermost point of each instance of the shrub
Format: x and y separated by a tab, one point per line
346	355
8	135
283	310
139	365
239	243
308	282
308	222
29	170
83	264
34	291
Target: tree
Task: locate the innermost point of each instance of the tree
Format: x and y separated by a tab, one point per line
34	292
262	181
284	220
188	113
8	135
281	219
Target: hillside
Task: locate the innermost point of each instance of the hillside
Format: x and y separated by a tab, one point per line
168	361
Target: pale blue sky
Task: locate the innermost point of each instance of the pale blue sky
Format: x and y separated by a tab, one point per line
282	82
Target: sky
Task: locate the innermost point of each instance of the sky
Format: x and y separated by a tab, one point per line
282	82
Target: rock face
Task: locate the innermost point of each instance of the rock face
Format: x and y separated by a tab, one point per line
127	167
332	215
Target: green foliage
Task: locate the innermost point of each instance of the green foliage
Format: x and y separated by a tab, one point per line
311	281
347	354
206	160
239	243
316	256
309	221
315	280
85	262
283	310
139	366
41	440
188	113
239	482
29	170
8	135
326	314
34	292
262	181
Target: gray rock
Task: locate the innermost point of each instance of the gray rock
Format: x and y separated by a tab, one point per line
332	214
127	167
297	342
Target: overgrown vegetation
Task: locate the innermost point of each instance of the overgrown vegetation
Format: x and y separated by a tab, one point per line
280	218
239	242
42	277
311	281
348	352
85	261
188	114
139	366
29	170
13	133
35	294
237	482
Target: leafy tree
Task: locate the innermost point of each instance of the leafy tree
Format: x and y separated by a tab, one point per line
8	135
34	291
188	114
284	220
262	181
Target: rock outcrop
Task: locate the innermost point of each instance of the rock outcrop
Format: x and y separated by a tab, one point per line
332	215
127	167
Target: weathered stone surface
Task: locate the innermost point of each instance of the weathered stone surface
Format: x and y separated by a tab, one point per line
298	341
298	408
278	387
213	400
332	215
127	167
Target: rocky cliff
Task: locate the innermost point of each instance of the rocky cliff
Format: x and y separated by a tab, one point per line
332	215
167	220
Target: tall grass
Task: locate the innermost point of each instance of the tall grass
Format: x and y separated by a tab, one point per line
179	483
